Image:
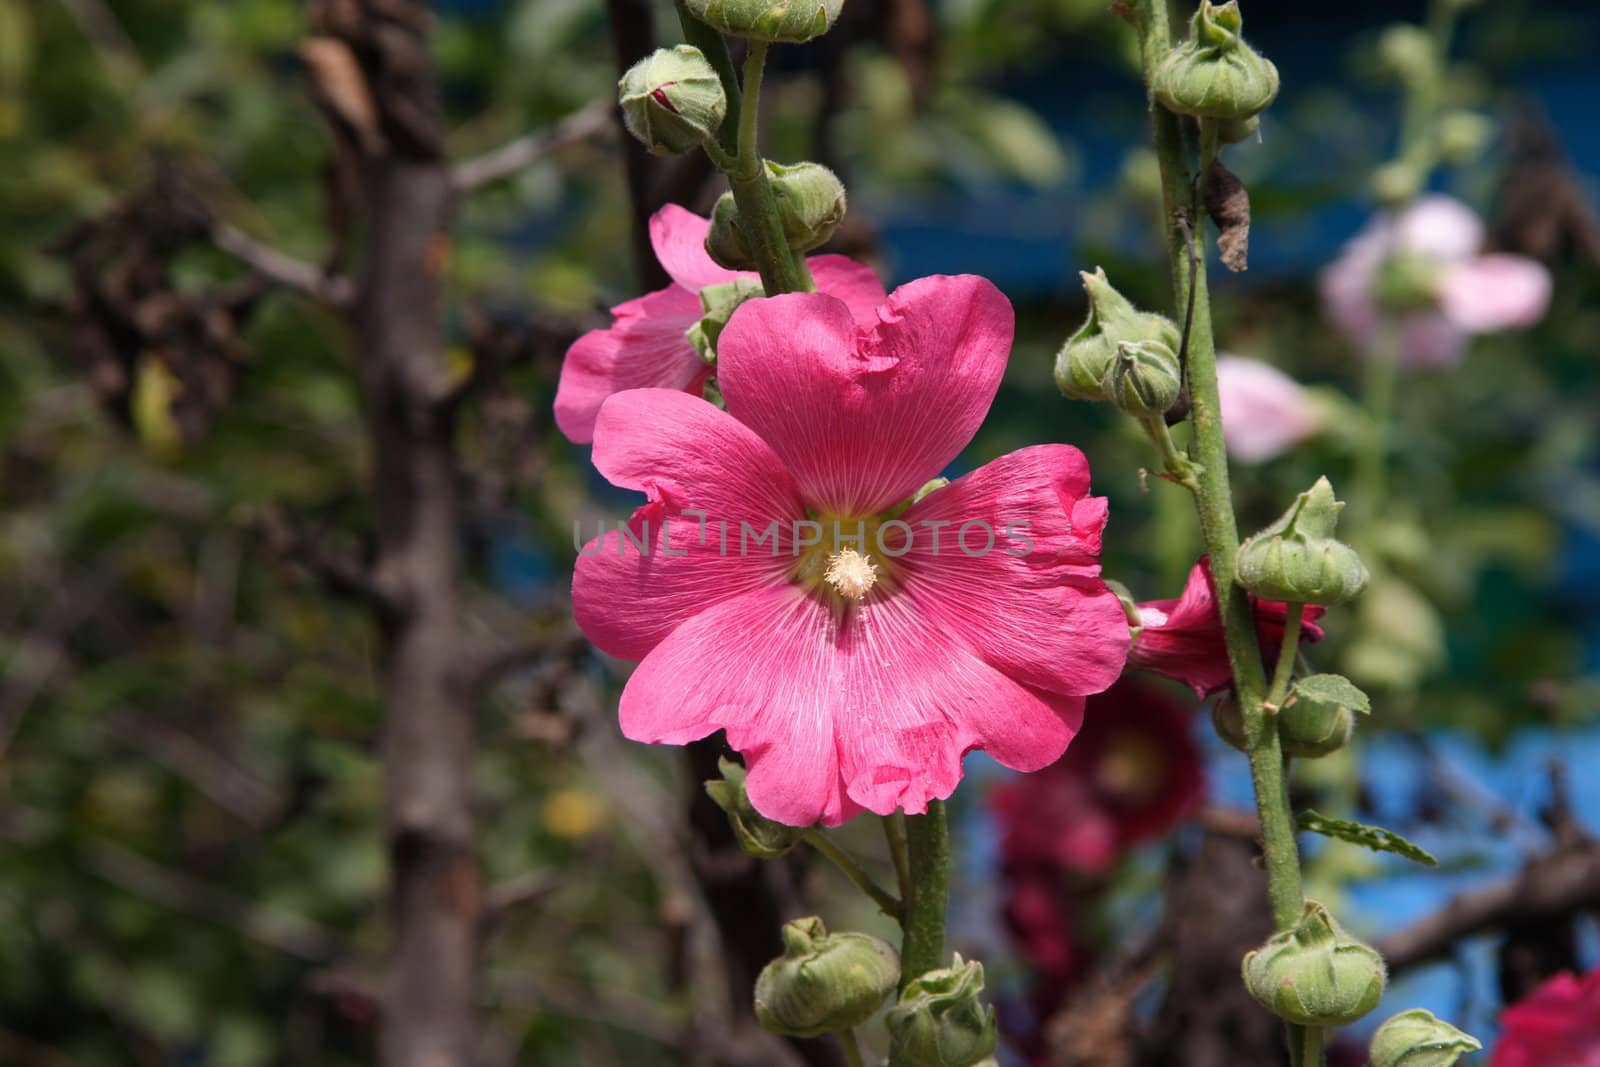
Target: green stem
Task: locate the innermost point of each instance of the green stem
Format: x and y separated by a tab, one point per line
715	49
1311	1047
1183	226
887	902
1378	393
781	270
852	1049
1279	691
1179	467
928	850
894	832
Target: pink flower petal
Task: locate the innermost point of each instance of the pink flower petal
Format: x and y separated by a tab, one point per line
644	348
1429	339
1440	228
1006	560
687	456
863	418
678	236
873	711
854	283
1495	292
1264	411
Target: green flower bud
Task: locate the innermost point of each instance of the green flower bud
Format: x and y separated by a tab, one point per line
719	302
824	983
1315	974
1407	282
725	241
758	835
1214	74
940	1020
791	21
811	203
1297	560
1083	362
1232	131
1396	184
1407	53
672	100
1228	718
1144	378
1463	135
1416	1038
1319	715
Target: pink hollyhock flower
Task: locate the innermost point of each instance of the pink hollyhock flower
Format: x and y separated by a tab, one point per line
1182	639
1132	773
646	347
851	675
1439	240
1558	1023
1264	411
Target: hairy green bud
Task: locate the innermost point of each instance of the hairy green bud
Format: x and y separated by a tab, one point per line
1416	1038
1319	715
811	203
1086	358
1316	974
790	21
672	100
758	835
1144	378
1214	74
824	983
1297	559
941	1020
1228	719
1407	53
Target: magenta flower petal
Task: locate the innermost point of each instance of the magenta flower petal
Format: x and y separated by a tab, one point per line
678	237
1014	571
855	283
686	455
644	348
862	418
1495	292
1558	1023
1182	638
1264	411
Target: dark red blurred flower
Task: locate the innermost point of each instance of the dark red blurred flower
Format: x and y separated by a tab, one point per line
1039	914
1182	639
1556	1024
1130	774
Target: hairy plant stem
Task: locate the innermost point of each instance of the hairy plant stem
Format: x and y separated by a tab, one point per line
887	902
927	898
1184	233
737	153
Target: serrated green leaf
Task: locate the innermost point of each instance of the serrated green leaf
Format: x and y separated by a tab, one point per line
1374	837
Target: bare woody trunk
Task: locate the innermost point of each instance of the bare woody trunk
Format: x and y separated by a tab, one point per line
435	895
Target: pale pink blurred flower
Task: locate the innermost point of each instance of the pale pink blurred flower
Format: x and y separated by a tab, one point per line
1264	411
1473	293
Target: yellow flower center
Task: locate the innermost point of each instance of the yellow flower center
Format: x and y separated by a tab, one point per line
850	573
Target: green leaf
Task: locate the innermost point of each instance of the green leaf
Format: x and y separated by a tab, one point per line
1374	837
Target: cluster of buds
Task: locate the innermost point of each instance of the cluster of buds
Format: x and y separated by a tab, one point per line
824	983
1214	74
811	205
1317	718
719	302
1120	353
1297	559
1316	974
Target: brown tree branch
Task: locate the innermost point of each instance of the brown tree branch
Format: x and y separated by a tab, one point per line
282	269
430	990
591	122
1559	883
